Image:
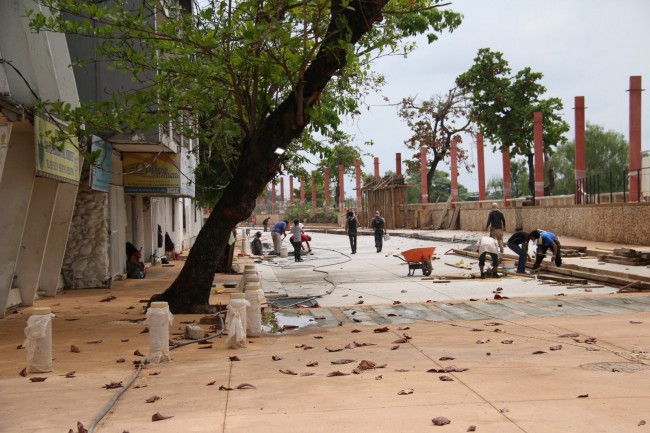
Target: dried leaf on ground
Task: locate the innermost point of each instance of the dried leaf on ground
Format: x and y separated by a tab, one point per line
113	385
290	372
337	373
477	330
312	364
211	383
74	349
245	386
635	322
449	369
403	328
405	391
354	331
558	347
445	378
23	372
159	417
138	353
571	335
401	341
342	361
333	350
642	422
307	373
225	388
402	370
81	428
152	399
380	330
471	428
94	342
440	420
504	410
70	374
71	319
506	342
38	379
108	299
154	373
355	320
583	396
145	330
493	324
396	302
206	347
318	337
120	360
446	358
359	302
538	352
124	340
276	358
483	341
234	358
380	377
397	346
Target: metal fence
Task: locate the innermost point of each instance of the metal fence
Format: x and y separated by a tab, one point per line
614	187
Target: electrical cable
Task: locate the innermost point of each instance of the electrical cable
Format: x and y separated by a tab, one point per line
122	390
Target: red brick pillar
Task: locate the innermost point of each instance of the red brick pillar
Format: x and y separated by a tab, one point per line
341	188
376	166
291	189
357	174
481	167
454	170
302	190
282	192
507	179
635	137
538	136
580	155
327	188
398	164
424	169
273	208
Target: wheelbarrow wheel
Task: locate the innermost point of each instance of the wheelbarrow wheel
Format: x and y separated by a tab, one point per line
427	267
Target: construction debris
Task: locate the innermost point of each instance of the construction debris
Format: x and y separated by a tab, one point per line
626	256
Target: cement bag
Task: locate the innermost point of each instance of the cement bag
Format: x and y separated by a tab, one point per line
159	319
236	322
38	343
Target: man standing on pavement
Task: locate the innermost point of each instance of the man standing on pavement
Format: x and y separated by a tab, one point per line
277	234
497	224
296	240
518	243
488	245
265	224
379	226
351	230
546	240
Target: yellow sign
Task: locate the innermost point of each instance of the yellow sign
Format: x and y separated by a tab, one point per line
60	162
151	173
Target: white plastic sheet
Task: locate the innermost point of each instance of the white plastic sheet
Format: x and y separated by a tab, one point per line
159	320
236	323
254	295
38	342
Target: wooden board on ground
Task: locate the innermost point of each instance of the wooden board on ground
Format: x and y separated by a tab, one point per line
562	279
459	265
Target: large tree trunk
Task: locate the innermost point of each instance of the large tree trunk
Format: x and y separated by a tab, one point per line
259	164
430	175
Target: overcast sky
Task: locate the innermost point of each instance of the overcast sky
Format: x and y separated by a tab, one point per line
584	48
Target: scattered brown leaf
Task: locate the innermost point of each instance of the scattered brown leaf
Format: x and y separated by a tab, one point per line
234	358
159	417
81	428
38	379
245	386
446	378
400	341
211	383
23	372
558	347
583	396
20	346
471	428
483	341
94	342
113	385
359	302
493	324
396	302
124	340
395	347
145	330
318	337
440	420
276	358
635	322
152	399
225	388
290	372
403	328
307	373
380	330
154	373
108	299
506	342
137	353
206	347
538	352
312	364
74	349
354	331
446	358
120	360
571	335
337	373
449	369
333	350
405	391
342	361
642	422
504	410
355	320
477	330
70	375
380	377
71	319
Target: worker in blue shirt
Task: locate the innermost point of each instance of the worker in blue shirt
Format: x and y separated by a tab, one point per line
278	232
546	240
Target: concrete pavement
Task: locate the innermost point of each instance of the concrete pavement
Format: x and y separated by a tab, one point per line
547	359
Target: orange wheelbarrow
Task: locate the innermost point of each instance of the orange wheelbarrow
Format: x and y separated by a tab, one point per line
418	258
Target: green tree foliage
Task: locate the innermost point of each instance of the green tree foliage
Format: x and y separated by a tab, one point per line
440	189
518	182
503	105
435	123
245	78
606	151
341	153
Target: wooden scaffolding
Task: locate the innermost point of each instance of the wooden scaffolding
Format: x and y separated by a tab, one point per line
388	196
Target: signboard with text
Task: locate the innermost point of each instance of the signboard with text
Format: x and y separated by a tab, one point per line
151	173
59	161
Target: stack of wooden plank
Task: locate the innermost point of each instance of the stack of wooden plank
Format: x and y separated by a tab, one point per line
626	256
